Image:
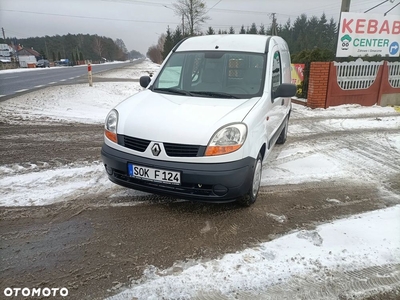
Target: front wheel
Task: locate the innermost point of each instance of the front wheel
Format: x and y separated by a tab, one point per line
251	196
283	136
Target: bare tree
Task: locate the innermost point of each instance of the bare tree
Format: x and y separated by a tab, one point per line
194	13
98	46
121	45
155	52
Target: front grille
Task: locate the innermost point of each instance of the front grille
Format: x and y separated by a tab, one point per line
173	150
180	150
135	143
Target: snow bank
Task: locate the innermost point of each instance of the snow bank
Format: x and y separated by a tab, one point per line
344	245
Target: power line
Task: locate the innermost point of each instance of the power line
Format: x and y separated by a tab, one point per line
392	8
86	17
214	6
376	6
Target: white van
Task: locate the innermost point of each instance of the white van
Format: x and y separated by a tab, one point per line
205	122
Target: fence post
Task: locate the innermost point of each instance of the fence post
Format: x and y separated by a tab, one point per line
385	70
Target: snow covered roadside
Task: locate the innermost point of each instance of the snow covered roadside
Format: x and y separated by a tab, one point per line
145	68
310	257
19	70
67	103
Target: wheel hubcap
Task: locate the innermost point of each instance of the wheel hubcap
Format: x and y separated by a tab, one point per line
257	178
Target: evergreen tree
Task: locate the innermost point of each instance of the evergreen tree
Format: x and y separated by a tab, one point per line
168	43
286	32
253	29
58	56
53	56
210	31
177	36
42	54
231	30
262	30
242	30
299	34
73	58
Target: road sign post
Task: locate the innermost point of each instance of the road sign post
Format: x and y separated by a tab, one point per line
90	74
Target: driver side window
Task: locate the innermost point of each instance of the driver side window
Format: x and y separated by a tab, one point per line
276	72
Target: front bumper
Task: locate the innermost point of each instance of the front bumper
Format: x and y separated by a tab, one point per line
217	182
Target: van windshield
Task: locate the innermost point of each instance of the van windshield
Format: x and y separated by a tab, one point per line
216	74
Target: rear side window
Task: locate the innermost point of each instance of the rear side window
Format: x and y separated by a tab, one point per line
276	71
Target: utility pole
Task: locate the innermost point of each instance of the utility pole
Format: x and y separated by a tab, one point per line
345	6
274	30
4	34
183	25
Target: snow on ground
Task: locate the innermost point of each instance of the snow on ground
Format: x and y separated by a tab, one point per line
315	254
303	161
135	71
318	253
347	110
68	103
19	70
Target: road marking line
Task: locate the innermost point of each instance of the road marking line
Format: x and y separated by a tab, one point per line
63	80
38	86
10	77
52	82
71	78
21	91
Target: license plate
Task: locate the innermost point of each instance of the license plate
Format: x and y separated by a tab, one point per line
152	174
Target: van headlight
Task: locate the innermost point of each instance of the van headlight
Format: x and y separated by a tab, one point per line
110	127
227	139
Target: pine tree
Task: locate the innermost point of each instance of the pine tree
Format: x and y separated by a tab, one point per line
177	36
168	44
262	30
253	29
210	31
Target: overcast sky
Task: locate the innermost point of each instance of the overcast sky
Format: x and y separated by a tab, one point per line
140	22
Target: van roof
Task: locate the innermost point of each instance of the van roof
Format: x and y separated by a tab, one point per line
226	42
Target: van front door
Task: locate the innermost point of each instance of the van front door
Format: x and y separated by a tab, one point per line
278	108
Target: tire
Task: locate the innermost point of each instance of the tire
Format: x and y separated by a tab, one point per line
250	197
283	136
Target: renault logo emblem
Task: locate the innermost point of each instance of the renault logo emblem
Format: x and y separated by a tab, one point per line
156	150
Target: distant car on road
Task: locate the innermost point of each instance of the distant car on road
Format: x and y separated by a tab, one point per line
43	63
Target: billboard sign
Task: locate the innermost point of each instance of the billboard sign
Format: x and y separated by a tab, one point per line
362	34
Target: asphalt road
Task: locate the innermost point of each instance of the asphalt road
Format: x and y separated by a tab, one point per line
20	82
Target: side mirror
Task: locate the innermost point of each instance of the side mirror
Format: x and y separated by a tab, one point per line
144	81
285	90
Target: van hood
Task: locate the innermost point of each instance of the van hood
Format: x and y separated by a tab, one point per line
178	119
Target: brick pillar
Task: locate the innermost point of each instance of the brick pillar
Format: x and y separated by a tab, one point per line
318	84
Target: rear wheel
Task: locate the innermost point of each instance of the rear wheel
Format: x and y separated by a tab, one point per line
251	195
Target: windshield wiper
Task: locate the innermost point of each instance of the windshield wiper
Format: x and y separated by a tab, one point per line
214	94
173	91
